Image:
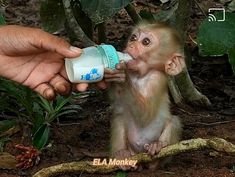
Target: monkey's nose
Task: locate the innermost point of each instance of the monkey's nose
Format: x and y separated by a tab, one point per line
131	46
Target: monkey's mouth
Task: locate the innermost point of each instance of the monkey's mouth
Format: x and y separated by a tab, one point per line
132	65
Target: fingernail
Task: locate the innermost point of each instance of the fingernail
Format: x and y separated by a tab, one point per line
146	146
118	66
75	49
62	89
49	94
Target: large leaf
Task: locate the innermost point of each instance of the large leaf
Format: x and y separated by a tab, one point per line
6	124
216	38
101	10
52	15
39	118
40	138
16	97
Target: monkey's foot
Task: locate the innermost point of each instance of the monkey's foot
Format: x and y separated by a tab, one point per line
124	154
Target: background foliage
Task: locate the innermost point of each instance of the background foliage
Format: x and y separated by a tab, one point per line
216	38
20	105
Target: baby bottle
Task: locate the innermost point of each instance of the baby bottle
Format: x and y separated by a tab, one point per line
90	65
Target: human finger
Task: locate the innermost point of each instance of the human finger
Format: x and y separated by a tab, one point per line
61	85
81	87
53	43
117	75
102	84
46	91
121	66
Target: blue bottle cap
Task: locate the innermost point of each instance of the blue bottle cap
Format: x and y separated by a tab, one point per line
111	56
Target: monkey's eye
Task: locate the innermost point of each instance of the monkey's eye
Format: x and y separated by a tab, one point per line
133	37
146	41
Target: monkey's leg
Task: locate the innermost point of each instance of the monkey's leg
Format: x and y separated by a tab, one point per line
119	142
118	136
172	132
170	135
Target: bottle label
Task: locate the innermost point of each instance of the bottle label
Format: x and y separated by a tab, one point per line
91	74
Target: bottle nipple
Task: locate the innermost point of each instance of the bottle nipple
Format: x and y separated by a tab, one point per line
124	56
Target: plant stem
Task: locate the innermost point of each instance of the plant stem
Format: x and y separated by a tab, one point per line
133	14
72	22
101	33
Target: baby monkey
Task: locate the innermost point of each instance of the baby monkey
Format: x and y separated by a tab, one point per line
141	120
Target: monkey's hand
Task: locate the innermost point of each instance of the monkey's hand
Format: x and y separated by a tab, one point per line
116	75
122	155
155	147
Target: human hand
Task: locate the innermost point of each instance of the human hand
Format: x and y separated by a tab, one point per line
35	59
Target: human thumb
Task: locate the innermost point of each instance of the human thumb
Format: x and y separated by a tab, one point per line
53	43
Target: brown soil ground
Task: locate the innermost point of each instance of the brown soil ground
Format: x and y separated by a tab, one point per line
89	131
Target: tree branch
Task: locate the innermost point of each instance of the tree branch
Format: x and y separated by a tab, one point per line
188	90
217	144
73	24
133	14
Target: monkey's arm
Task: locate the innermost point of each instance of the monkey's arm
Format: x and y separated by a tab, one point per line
115	75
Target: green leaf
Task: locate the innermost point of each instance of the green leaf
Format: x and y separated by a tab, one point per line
6	125
75	107
18	97
52	15
121	174
66	112
101	10
47	105
2	19
38	121
41	136
216	38
61	102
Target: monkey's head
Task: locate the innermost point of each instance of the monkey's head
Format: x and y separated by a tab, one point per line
155	47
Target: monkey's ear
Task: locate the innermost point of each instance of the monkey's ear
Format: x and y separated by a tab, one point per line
175	65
